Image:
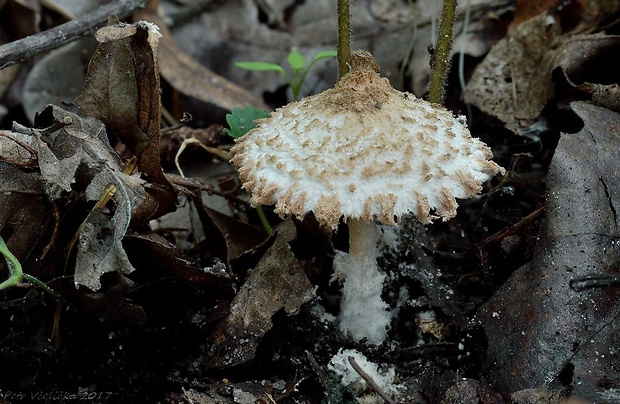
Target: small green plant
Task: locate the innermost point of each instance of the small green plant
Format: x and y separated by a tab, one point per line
241	120
297	63
17	274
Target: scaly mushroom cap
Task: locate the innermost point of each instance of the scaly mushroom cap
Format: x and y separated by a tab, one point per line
362	150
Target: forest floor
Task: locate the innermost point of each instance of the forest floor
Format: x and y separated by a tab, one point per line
167	288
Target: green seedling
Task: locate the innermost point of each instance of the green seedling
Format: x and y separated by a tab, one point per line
297	63
241	120
17	274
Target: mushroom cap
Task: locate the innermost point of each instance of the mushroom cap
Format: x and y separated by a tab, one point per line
362	150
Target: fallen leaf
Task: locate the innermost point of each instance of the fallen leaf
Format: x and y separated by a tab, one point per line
558	335
513	83
153	252
277	283
74	152
25	217
191	78
227	238
122	90
589	65
57	77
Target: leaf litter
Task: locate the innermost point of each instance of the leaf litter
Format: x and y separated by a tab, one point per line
210	310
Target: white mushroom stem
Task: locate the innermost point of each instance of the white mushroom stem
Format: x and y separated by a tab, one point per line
363	314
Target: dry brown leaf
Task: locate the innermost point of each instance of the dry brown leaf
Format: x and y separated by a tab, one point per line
590	65
25	17
558	334
122	90
25	217
191	78
277	283
513	83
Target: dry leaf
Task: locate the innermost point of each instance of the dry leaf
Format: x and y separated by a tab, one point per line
191	78
558	334
122	90
278	282
25	217
590	65
74	153
513	83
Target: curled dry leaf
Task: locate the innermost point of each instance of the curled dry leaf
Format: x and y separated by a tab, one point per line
557	332
589	64
122	90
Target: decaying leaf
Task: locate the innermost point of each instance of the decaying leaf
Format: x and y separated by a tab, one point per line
227	238
513	83
152	251
25	216
74	153
559	335
278	282
122	90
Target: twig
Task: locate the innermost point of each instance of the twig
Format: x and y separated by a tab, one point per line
54	237
369	380
191	183
317	369
26	48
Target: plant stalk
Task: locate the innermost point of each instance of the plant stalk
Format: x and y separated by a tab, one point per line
344	37
440	60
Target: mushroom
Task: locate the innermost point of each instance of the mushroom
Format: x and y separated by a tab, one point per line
365	153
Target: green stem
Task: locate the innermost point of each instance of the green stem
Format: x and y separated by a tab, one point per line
43	286
296	86
344	37
440	60
17	274
263	219
15	268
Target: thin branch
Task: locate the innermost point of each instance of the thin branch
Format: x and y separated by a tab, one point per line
369	380
26	48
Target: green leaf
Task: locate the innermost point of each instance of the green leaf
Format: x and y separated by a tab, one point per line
296	60
260	66
241	120
324	55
